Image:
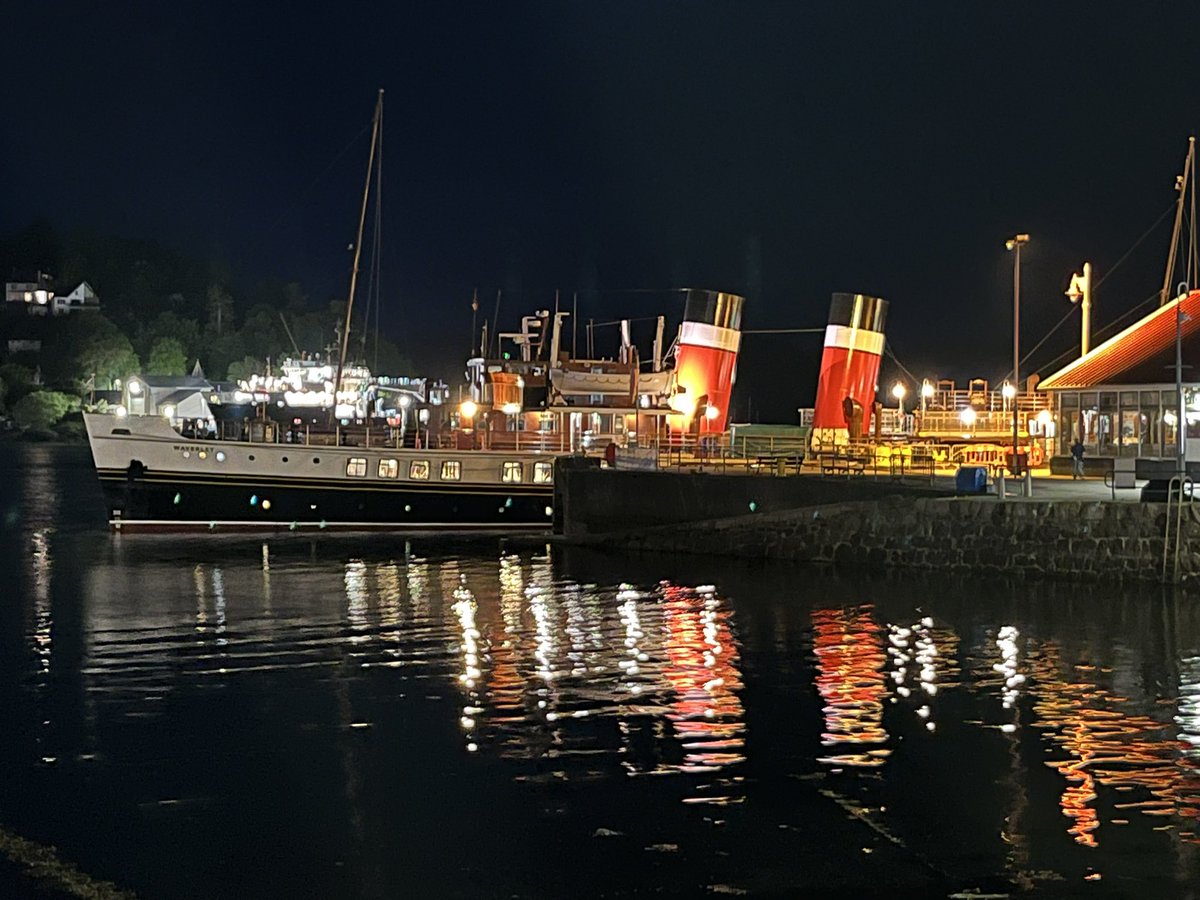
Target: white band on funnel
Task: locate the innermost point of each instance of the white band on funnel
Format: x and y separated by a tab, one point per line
701	334
854	339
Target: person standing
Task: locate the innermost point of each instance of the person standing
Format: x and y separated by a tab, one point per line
1077	459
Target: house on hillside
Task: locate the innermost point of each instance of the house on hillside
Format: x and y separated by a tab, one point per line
34	295
82	299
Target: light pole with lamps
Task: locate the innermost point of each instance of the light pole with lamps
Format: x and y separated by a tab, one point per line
899	391
1081	290
1014	244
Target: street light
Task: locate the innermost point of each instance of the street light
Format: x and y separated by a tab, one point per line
1014	244
1081	289
926	393
898	391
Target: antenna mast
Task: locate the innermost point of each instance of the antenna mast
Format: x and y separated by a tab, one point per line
362	216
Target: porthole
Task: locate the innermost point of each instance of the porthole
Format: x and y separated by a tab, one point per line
220	456
316	459
251	457
285	459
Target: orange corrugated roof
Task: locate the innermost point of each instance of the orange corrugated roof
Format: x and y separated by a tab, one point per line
1135	345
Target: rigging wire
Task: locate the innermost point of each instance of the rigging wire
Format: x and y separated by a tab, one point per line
312	184
1107	328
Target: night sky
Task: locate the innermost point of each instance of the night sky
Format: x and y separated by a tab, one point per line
780	150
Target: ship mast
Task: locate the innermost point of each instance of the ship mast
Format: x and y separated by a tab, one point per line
362	216
1181	185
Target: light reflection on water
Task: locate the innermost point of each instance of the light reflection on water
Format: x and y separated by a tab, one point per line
665	722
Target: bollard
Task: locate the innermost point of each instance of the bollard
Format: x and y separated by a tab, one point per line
1000	491
1027	484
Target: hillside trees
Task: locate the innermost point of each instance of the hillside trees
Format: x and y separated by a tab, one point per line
89	344
167	357
41	409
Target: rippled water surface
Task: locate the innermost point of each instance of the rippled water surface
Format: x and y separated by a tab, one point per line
376	717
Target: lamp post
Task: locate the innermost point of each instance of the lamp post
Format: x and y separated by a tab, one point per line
898	391
1081	289
1014	244
926	393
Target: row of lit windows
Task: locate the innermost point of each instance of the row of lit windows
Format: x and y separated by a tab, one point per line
511	471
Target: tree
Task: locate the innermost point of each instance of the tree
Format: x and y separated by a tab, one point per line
242	369
170	325
386	359
17	381
90	345
167	357
220	308
41	409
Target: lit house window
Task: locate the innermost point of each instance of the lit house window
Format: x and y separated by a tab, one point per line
511	472
388	468
418	470
543	472
356	467
451	470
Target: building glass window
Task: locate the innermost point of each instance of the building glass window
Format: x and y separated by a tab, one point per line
510	472
356	467
543	472
418	470
451	470
388	468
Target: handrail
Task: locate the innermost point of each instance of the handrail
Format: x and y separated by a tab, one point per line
1180	483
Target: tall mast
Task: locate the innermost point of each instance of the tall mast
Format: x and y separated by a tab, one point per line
1182	186
362	216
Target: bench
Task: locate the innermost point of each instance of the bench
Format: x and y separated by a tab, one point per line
843	464
777	462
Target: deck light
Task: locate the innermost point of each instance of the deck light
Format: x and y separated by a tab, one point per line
468	408
967	416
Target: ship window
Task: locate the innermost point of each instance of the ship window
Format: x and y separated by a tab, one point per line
120	431
356	466
418	470
510	472
388	468
451	470
543	472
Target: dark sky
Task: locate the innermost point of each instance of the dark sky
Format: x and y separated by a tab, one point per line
781	150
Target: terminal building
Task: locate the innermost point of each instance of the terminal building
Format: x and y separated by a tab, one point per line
1120	399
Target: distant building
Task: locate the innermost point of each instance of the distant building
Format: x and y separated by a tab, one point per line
35	295
82	299
175	397
38	298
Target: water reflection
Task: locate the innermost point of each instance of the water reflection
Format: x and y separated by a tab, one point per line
850	676
613	710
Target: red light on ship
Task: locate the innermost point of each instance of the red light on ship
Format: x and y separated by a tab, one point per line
849	368
706	361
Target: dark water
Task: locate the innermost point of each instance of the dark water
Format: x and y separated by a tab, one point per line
343	717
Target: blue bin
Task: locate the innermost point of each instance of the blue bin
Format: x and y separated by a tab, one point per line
971	480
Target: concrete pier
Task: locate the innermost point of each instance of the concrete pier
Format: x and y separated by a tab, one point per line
1071	530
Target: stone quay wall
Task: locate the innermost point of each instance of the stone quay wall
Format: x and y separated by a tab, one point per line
1081	541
